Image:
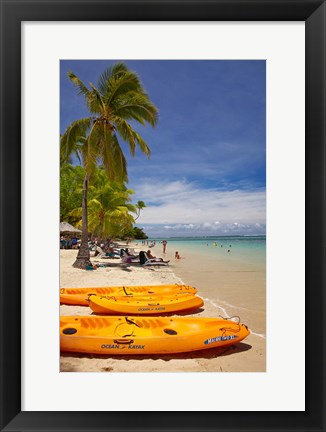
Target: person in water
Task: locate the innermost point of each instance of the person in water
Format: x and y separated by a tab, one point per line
177	256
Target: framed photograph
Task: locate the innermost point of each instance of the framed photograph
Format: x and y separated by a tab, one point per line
272	55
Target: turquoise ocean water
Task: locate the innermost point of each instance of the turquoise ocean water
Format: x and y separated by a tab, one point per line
229	273
239	248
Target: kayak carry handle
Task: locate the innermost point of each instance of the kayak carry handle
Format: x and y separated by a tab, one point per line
123	341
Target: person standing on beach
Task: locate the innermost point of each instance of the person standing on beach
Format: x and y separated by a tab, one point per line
164	243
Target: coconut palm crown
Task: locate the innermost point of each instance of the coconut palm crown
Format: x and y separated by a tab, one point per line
118	99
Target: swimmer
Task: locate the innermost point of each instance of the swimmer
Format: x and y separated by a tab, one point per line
177	256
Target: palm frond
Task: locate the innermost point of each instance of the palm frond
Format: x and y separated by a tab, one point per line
64	155
113	158
107	155
142	145
96	102
131	208
95	225
118	87
82	89
74	134
118	213
120	162
113	71
91	148
138	107
127	134
132	138
94	204
77	212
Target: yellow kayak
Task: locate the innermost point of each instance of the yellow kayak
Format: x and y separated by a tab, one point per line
79	296
143	305
146	335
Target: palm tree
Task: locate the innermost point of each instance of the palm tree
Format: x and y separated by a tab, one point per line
118	99
109	208
139	206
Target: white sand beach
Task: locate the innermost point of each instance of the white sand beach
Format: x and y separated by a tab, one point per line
227	289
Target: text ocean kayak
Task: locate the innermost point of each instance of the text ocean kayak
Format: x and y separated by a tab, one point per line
143	305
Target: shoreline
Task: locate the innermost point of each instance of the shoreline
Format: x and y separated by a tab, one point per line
228	285
247	356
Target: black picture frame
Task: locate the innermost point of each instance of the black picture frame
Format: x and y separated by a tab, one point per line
13	13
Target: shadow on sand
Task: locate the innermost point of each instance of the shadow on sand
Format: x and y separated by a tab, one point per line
168	314
126	266
202	354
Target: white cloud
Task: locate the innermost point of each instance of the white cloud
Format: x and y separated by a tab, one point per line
199	230
181	203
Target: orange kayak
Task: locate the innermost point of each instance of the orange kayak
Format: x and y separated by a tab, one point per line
79	296
146	335
143	305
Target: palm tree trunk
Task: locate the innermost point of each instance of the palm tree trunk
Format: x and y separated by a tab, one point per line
83	257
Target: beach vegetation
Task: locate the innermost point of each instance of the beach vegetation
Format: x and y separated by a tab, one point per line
71	181
136	233
109	207
116	104
110	211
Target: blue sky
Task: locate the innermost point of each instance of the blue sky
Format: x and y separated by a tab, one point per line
207	170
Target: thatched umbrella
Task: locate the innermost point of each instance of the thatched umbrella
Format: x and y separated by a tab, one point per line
66	228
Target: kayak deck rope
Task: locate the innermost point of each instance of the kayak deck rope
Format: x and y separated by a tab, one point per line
230	318
225	329
109	298
124	289
130	322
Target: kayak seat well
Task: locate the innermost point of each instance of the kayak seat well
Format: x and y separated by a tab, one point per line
170	332
69	331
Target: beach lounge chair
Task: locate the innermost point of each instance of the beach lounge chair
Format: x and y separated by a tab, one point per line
127	259
145	261
99	253
133	252
129	252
